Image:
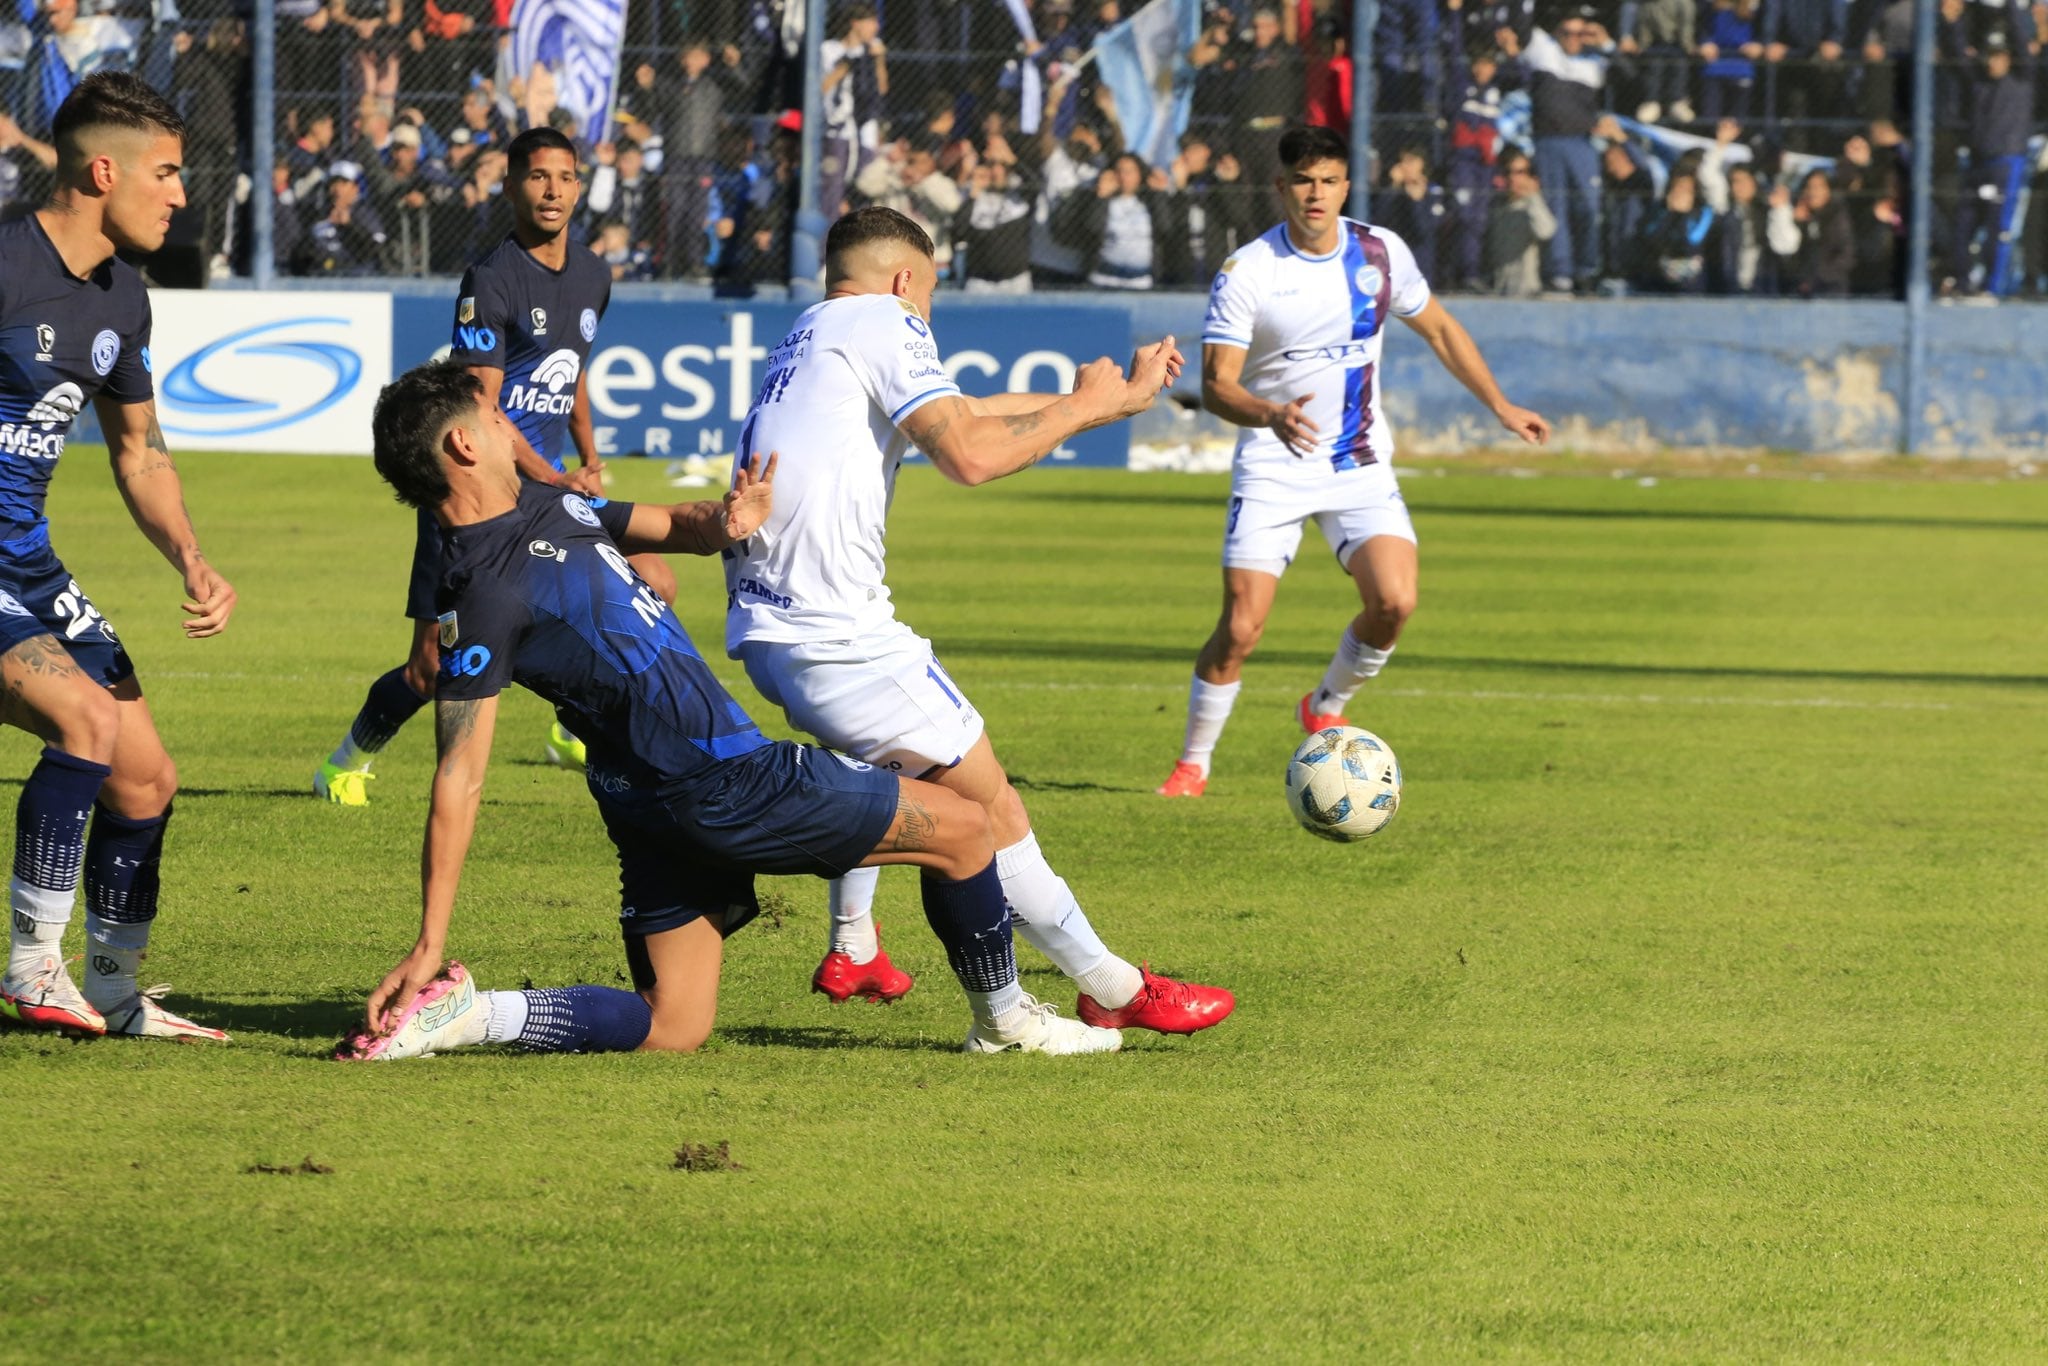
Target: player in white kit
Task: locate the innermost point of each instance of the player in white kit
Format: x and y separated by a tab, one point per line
1290	352
856	382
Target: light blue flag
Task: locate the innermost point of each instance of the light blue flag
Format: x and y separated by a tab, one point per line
1144	62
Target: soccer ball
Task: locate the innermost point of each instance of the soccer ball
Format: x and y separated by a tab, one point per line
1344	784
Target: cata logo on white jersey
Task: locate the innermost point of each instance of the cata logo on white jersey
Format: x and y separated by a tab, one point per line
551	388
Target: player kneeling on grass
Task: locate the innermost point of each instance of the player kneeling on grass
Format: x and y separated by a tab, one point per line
536	590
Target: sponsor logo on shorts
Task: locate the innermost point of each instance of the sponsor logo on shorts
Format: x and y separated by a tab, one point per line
11	606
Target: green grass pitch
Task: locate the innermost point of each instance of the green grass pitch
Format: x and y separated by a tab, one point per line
1692	1008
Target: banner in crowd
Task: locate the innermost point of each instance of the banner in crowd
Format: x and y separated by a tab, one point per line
1143	61
673	380
579	42
247	371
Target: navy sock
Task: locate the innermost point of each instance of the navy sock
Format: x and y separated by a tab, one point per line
49	831
391	704
972	920
121	866
585	1019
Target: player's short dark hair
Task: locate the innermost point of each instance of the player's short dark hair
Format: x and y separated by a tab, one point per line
413	412
519	152
1302	146
875	223
110	99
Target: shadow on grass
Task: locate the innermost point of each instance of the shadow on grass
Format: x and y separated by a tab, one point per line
824	1036
320	1020
1204	499
1043	785
1137	652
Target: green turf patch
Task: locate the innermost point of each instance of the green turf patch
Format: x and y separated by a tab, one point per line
1691	1009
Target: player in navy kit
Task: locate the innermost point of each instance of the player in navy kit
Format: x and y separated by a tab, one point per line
536	590
74	327
524	324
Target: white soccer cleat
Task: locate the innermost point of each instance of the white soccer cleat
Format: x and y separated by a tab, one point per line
444	1014
1039	1028
47	998
141	1017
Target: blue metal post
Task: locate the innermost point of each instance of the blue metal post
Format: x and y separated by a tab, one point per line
807	243
263	146
1919	228
1365	16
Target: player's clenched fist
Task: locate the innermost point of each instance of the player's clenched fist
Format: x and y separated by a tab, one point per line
211	599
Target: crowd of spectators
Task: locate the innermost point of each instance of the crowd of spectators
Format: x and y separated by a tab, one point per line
1521	146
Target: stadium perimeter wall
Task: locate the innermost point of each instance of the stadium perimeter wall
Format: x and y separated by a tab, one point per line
672	376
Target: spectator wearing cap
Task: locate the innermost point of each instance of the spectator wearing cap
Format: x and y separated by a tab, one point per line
1518	229
347	239
856	81
2001	122
1566	72
690	107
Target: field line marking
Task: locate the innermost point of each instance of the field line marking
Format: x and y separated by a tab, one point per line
1501	695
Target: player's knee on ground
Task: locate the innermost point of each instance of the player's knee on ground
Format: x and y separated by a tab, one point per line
676	1031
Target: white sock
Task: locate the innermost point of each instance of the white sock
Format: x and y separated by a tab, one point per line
990	1007
347	755
504	1015
851	900
1049	919
1354	662
116	950
36	927
1209	707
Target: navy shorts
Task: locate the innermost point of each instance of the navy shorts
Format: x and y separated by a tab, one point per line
426	570
785	808
38	597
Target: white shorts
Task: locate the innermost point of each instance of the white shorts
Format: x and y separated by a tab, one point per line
881	698
1267	509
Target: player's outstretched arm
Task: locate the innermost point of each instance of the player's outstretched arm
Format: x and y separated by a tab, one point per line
1010	405
462	733
156	500
704	527
973	448
1224	394
1459	354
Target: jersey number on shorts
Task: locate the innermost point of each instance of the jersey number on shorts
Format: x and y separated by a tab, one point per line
946	685
80	616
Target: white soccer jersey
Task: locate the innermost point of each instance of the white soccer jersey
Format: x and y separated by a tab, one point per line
1313	325
847	373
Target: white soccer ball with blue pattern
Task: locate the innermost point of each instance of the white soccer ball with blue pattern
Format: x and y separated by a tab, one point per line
1344	784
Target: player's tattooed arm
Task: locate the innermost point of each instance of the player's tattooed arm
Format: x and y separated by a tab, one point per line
149	484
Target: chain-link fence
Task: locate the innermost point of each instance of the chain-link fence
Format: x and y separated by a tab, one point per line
1520	146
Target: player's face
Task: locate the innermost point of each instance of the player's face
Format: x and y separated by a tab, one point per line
545	197
145	189
1314	194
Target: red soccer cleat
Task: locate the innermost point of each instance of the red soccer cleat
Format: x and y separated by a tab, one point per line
1162	1005
878	979
1313	721
1186	780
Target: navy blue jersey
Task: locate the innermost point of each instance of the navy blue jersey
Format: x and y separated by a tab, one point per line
63	340
540	596
535	324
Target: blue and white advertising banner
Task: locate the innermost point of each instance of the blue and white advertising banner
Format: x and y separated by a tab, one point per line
247	371
672	380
